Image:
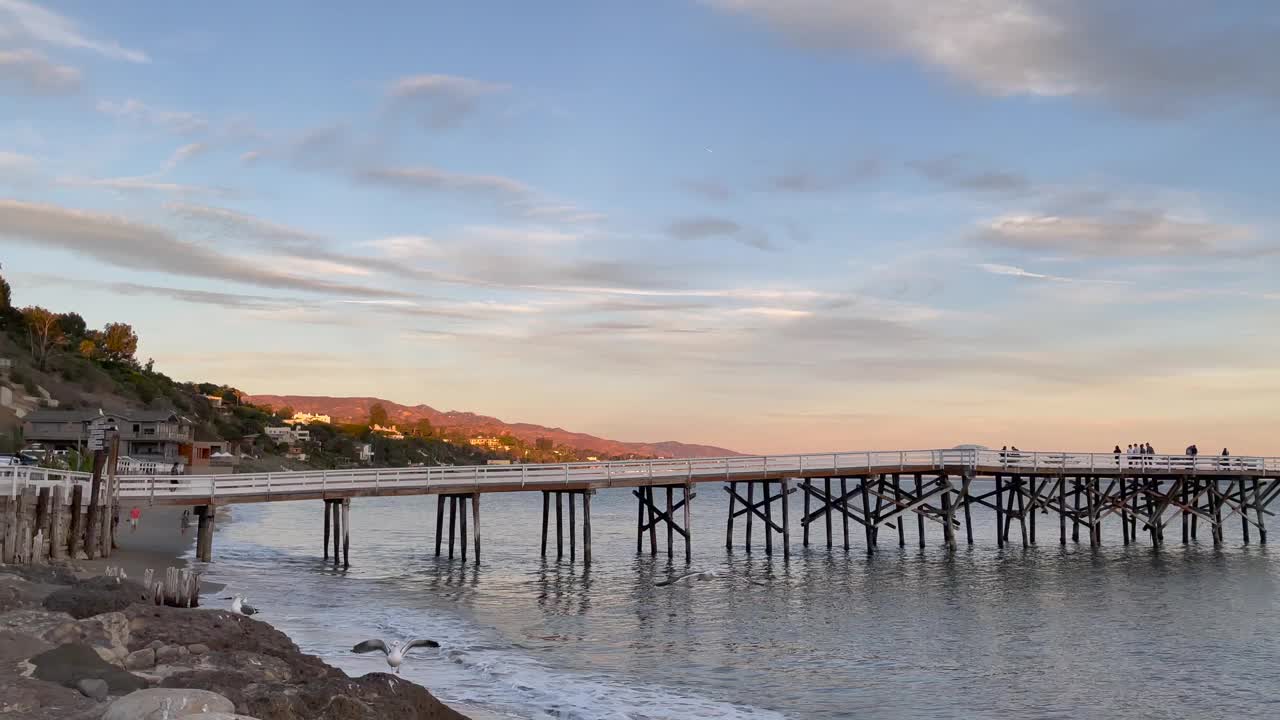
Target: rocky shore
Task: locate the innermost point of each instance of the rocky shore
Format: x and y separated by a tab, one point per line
76	648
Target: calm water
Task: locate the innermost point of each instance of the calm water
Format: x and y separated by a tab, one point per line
1041	633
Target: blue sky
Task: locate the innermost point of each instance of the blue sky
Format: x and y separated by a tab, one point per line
773	226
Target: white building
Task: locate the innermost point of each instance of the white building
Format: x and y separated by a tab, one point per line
366	452
301	418
288	435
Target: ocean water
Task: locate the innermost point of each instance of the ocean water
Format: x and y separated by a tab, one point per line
1045	632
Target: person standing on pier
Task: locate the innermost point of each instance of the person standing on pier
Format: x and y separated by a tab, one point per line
1117	451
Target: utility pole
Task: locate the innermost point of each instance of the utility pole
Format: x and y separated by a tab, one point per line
93	545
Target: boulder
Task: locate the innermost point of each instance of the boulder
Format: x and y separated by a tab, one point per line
33	622
30	699
167	704
93	688
107	633
17	646
168	653
197	648
68	664
95	596
144	659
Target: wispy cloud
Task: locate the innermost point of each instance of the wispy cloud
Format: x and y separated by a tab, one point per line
506	193
955	173
709	189
184	154
442	100
136	111
1119	234
29	72
1014	271
32	23
814	181
1049	48
142	183
701	228
120	242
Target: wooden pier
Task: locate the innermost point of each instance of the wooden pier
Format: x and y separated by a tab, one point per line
901	492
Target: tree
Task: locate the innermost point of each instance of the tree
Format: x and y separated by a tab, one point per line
88	349
72	325
378	415
119	342
285	413
6	295
43	332
422	428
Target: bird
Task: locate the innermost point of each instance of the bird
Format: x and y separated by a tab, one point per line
690	578
240	607
395	654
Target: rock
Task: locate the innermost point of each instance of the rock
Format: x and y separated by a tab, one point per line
198	648
183	651
137	624
64	633
144	659
108	634
17	592
93	688
32	622
94	597
156	644
16	646
68	664
30	699
167	653
225	716
167	704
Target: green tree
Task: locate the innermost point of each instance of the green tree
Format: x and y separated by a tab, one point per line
6	295
285	412
378	415
422	428
119	342
72	326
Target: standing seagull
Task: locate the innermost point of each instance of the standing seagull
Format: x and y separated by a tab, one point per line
693	577
240	607
395	654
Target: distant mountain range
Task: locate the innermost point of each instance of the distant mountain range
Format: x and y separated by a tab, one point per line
356	409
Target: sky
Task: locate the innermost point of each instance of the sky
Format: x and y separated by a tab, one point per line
775	227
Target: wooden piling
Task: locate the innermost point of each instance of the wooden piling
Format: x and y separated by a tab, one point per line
653	522
1257	508
573	527
335	509
327	516
728	531
440	523
1000	532
866	515
786	518
204	532
1062	511
1124	513
827	488
1244	510
1089	504
808	488
462	526
346	533
671	531
948	514
768	518
639	523
1195	517
453	511
751	511
919	514
58	525
688	523
586	527
1217	512
965	498
1022	508
1075	515
75	539
475	524
897	501
560	526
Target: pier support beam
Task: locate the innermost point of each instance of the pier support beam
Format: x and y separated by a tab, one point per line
346	533
457	522
204	532
584	496
762	510
656	515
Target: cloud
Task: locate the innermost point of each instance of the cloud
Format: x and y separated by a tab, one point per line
142	183
31	73
1014	271
406	247
122	243
182	123
815	182
1051	48
27	21
183	154
242	225
709	189
444	100
508	194
1117	234
952	173
701	228
11	162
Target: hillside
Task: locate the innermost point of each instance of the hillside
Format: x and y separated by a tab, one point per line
349	409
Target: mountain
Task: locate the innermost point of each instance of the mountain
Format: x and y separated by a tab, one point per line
352	409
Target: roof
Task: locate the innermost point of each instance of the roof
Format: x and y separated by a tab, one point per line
71	416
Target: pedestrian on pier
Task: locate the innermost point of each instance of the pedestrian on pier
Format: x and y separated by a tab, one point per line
1117	451
1226	458
134	514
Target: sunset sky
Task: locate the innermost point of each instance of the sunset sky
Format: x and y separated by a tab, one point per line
773	226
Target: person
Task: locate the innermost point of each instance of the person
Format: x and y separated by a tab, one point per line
185	522
134	514
1226	455
1117	452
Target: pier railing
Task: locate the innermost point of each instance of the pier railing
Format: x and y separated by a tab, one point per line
632	472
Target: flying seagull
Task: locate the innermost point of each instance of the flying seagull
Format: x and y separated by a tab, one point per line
240	607
693	577
395	654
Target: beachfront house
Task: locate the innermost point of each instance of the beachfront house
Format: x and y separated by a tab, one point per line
152	436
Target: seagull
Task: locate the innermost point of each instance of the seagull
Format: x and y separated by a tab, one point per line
693	577
240	607
395	654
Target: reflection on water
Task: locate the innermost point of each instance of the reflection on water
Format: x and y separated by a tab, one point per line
1046	632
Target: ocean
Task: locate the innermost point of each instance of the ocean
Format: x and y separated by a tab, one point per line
1045	632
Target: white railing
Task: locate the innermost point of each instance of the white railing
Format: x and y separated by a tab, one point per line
13	478
632	472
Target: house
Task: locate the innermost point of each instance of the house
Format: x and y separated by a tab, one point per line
489	443
391	433
301	418
366	452
211	457
288	435
157	436
296	453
